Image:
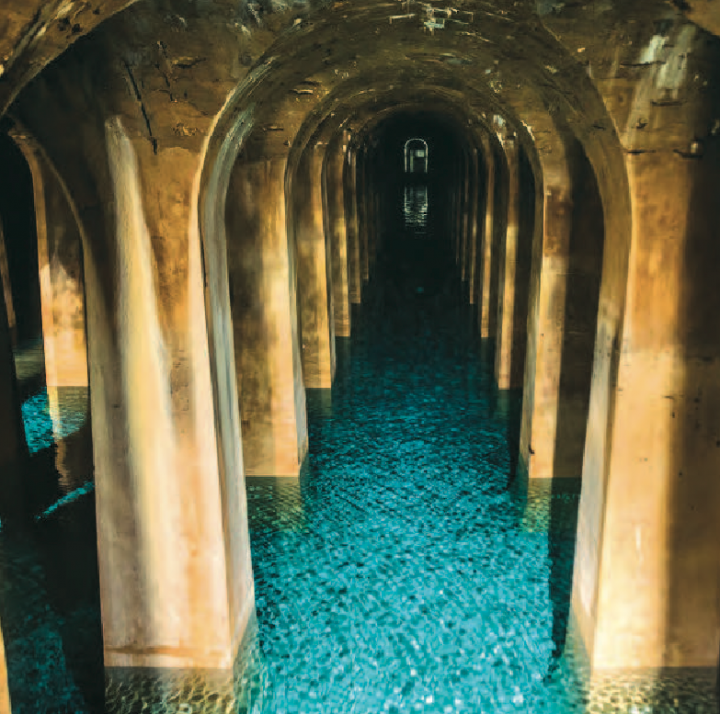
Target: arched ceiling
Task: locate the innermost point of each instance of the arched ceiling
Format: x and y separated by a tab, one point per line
171	37
168	66
34	32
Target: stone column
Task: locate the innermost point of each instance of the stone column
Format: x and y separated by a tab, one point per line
314	273
546	329
647	566
353	235
176	584
464	216
263	282
61	275
371	226
362	200
507	372
457	209
472	229
565	280
485	277
7	287
333	180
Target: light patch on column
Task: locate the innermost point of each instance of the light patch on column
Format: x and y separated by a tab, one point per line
662	81
651	52
213	229
671	74
150	433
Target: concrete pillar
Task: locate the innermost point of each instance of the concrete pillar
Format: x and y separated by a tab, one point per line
62	293
647	565
565	282
371	225
7	287
363	210
335	197
472	229
457	209
661	521
508	372
355	270
546	329
176	584
464	216
263	282
486	318
314	272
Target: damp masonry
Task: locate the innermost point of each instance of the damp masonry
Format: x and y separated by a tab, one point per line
186	156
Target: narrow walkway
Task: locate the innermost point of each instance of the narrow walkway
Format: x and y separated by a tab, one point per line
397	576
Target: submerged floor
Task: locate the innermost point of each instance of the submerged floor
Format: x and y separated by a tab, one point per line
401	573
398	575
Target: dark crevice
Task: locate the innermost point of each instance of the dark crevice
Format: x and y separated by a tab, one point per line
138	96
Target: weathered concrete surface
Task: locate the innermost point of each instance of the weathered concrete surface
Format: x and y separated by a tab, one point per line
314	272
661	522
175	588
507	369
486	321
263	292
466	197
166	600
474	211
62	292
362	201
355	265
335	201
557	369
648	523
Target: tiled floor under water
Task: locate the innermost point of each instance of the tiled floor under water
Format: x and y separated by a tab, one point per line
401	573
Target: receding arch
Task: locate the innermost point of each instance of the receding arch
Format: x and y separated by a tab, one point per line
417	156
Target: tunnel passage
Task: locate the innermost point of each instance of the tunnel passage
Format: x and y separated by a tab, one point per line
417	157
635	83
400	542
425	199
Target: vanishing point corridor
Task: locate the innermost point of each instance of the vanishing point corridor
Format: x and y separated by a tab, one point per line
359	356
400	573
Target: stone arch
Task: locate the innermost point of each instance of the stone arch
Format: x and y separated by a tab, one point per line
416	148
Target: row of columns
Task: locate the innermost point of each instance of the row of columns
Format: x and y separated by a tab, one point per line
619	378
286	275
300	247
651	356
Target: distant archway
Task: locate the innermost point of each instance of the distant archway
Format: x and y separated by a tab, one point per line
416	156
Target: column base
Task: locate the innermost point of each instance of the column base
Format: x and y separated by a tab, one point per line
547	505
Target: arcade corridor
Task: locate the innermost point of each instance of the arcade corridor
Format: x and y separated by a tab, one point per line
399	569
359	357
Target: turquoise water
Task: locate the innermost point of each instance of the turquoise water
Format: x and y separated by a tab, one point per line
399	574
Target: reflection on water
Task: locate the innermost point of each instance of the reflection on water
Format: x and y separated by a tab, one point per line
54	414
415	208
